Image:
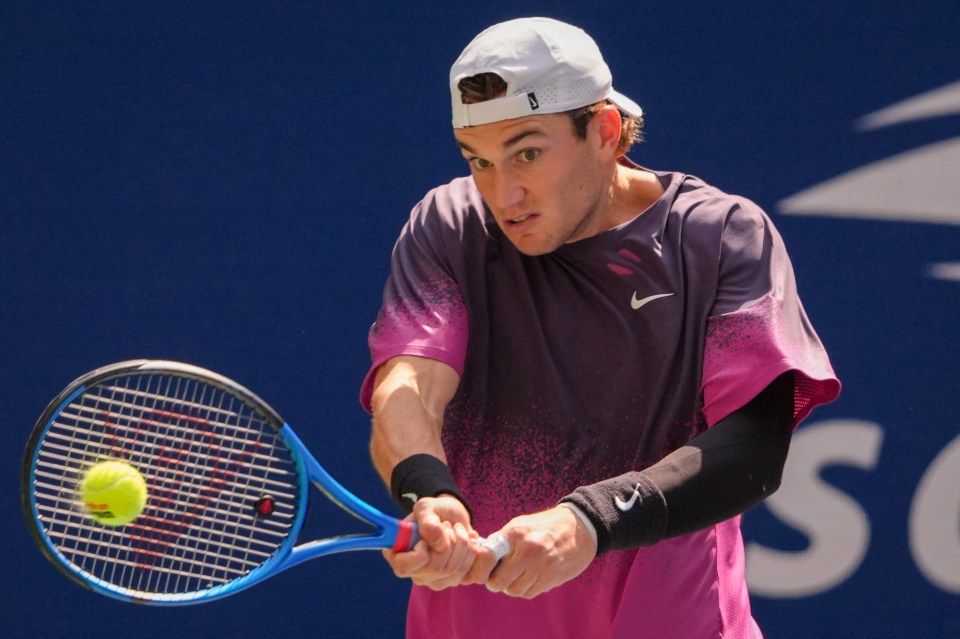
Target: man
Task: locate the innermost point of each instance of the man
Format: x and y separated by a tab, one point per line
599	363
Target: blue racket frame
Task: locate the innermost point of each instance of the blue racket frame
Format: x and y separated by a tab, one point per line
390	533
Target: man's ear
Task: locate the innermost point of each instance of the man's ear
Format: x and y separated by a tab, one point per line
608	125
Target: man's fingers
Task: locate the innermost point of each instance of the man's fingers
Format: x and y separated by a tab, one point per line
405	564
436	517
524	587
491	551
464	549
448	569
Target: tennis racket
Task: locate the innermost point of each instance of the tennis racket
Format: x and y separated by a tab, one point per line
227	481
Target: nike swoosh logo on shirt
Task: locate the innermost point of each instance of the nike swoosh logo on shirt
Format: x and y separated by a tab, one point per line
636	304
624	506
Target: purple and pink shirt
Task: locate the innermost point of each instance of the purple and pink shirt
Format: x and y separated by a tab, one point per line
593	360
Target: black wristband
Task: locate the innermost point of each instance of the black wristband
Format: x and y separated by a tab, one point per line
419	476
628	511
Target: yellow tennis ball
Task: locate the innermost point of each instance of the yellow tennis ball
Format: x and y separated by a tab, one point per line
113	492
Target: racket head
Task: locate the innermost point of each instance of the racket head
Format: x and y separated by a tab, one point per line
214	461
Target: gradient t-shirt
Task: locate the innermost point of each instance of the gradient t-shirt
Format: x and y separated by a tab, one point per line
593	360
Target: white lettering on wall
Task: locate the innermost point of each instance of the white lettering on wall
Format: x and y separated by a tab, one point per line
835	524
935	520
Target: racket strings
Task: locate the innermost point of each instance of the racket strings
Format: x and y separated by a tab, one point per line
207	457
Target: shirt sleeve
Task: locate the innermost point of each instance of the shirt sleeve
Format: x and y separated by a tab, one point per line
758	329
423	312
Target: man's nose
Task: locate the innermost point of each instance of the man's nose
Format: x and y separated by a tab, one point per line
507	190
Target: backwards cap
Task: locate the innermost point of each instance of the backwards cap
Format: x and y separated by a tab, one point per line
549	67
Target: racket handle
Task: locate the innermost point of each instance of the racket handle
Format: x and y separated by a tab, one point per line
408	536
498	544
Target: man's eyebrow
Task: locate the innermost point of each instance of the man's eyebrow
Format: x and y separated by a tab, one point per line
507	144
520	136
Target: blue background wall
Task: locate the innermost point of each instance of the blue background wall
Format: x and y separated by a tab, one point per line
221	183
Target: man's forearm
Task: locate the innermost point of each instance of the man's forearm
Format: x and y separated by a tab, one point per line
409	397
719	474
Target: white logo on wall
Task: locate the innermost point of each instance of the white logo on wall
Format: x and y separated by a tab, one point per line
921	185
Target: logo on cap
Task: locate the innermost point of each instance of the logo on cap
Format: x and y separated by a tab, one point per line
534	105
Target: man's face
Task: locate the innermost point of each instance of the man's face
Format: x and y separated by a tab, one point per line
544	185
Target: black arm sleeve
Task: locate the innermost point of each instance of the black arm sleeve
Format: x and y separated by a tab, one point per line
722	472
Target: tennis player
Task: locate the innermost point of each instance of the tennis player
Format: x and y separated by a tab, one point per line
600	362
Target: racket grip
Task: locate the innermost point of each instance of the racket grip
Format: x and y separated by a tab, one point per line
407	536
498	544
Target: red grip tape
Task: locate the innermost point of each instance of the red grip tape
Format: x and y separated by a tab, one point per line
404	535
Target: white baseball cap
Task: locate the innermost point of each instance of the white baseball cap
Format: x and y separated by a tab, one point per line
549	67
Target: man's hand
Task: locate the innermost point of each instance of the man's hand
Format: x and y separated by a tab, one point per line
547	549
447	548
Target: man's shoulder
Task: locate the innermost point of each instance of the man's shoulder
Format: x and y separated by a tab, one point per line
694	191
701	203
453	213
457	199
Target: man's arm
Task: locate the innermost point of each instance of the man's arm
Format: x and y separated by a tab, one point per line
410	395
720	473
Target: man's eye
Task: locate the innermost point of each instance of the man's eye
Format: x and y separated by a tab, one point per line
480	163
529	155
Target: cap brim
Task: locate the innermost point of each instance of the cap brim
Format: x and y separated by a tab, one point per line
625	104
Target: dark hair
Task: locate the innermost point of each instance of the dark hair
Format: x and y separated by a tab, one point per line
487	86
